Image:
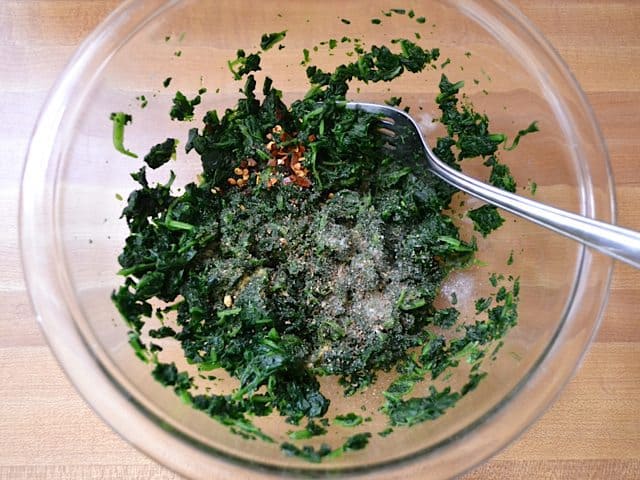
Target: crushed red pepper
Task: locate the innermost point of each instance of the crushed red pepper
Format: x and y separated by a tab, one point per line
286	163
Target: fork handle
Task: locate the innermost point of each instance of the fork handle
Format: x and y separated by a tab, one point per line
617	242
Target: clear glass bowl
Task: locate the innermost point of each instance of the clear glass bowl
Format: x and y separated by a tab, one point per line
71	233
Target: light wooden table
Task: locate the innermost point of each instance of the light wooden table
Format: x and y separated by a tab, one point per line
592	431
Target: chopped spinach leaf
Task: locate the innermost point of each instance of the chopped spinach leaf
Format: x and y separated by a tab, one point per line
417	410
357	441
533	127
244	64
120	120
312	429
183	108
307	452
486	219
161	153
393	101
268	40
348	420
446	318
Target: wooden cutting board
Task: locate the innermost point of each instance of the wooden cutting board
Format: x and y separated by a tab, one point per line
592	431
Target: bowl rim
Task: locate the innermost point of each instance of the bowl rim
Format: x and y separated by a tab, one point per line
107	395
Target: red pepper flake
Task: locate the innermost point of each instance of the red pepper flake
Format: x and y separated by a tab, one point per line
303	182
285	160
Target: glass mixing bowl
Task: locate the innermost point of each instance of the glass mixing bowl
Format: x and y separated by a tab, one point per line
71	232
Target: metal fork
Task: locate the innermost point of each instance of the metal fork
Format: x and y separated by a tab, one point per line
404	134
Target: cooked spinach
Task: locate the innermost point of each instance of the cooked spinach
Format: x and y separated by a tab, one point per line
312	429
485	219
243	64
306	250
161	153
183	108
268	40
120	120
533	127
348	420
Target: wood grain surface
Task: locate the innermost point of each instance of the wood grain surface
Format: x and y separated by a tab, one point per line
592	431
